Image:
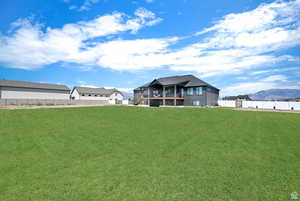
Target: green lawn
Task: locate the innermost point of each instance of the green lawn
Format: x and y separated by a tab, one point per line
131	153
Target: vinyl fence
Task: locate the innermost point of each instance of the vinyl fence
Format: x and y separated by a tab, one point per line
226	103
279	105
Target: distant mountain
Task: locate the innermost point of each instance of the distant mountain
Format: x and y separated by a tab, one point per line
276	94
243	97
127	95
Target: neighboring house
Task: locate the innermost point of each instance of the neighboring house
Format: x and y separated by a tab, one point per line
31	90
239	97
185	90
86	93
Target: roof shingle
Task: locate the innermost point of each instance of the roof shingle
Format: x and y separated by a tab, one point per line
185	80
98	91
33	85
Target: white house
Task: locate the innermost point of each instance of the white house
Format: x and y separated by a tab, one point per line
85	93
31	90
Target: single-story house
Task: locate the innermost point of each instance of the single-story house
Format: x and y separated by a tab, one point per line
32	90
113	96
185	90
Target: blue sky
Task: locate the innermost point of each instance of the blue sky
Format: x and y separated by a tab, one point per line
239	46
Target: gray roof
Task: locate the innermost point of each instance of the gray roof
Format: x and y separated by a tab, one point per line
98	91
184	80
33	85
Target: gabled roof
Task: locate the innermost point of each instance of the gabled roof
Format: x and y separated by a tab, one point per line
98	91
33	85
184	80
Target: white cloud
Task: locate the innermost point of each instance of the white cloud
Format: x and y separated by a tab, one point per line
268	27
236	43
87	4
127	90
273	78
284	69
270	82
247	88
260	72
234	47
32	47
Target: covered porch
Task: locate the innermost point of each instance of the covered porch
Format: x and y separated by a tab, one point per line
164	95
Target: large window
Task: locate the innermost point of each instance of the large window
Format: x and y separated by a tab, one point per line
169	92
181	92
196	103
190	91
155	93
145	92
198	91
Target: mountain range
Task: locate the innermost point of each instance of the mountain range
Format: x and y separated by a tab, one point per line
276	94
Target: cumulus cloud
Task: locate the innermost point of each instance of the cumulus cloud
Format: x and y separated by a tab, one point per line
30	46
87	4
235	43
273	78
270	82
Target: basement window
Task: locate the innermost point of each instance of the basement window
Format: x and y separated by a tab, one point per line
196	103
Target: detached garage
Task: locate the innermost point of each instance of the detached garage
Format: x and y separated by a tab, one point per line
30	90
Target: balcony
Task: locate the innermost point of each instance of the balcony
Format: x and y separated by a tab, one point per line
164	93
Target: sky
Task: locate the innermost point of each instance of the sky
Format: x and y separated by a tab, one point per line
240	46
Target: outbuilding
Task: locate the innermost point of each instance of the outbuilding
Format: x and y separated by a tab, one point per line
113	96
32	90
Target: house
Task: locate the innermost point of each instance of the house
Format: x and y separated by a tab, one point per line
185	90
86	93
239	97
32	90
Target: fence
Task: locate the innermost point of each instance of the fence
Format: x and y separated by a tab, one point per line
279	105
226	103
51	102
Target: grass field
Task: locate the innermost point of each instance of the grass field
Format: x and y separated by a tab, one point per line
130	153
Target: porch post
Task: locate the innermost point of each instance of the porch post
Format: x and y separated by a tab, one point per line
148	95
164	95
175	94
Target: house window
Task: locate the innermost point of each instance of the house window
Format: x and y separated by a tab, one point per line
155	93
198	91
196	103
190	91
145	92
169	92
181	92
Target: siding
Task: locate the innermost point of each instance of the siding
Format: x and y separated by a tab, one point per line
112	97
26	93
212	96
209	97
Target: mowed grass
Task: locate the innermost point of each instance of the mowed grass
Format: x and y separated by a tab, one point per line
133	153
